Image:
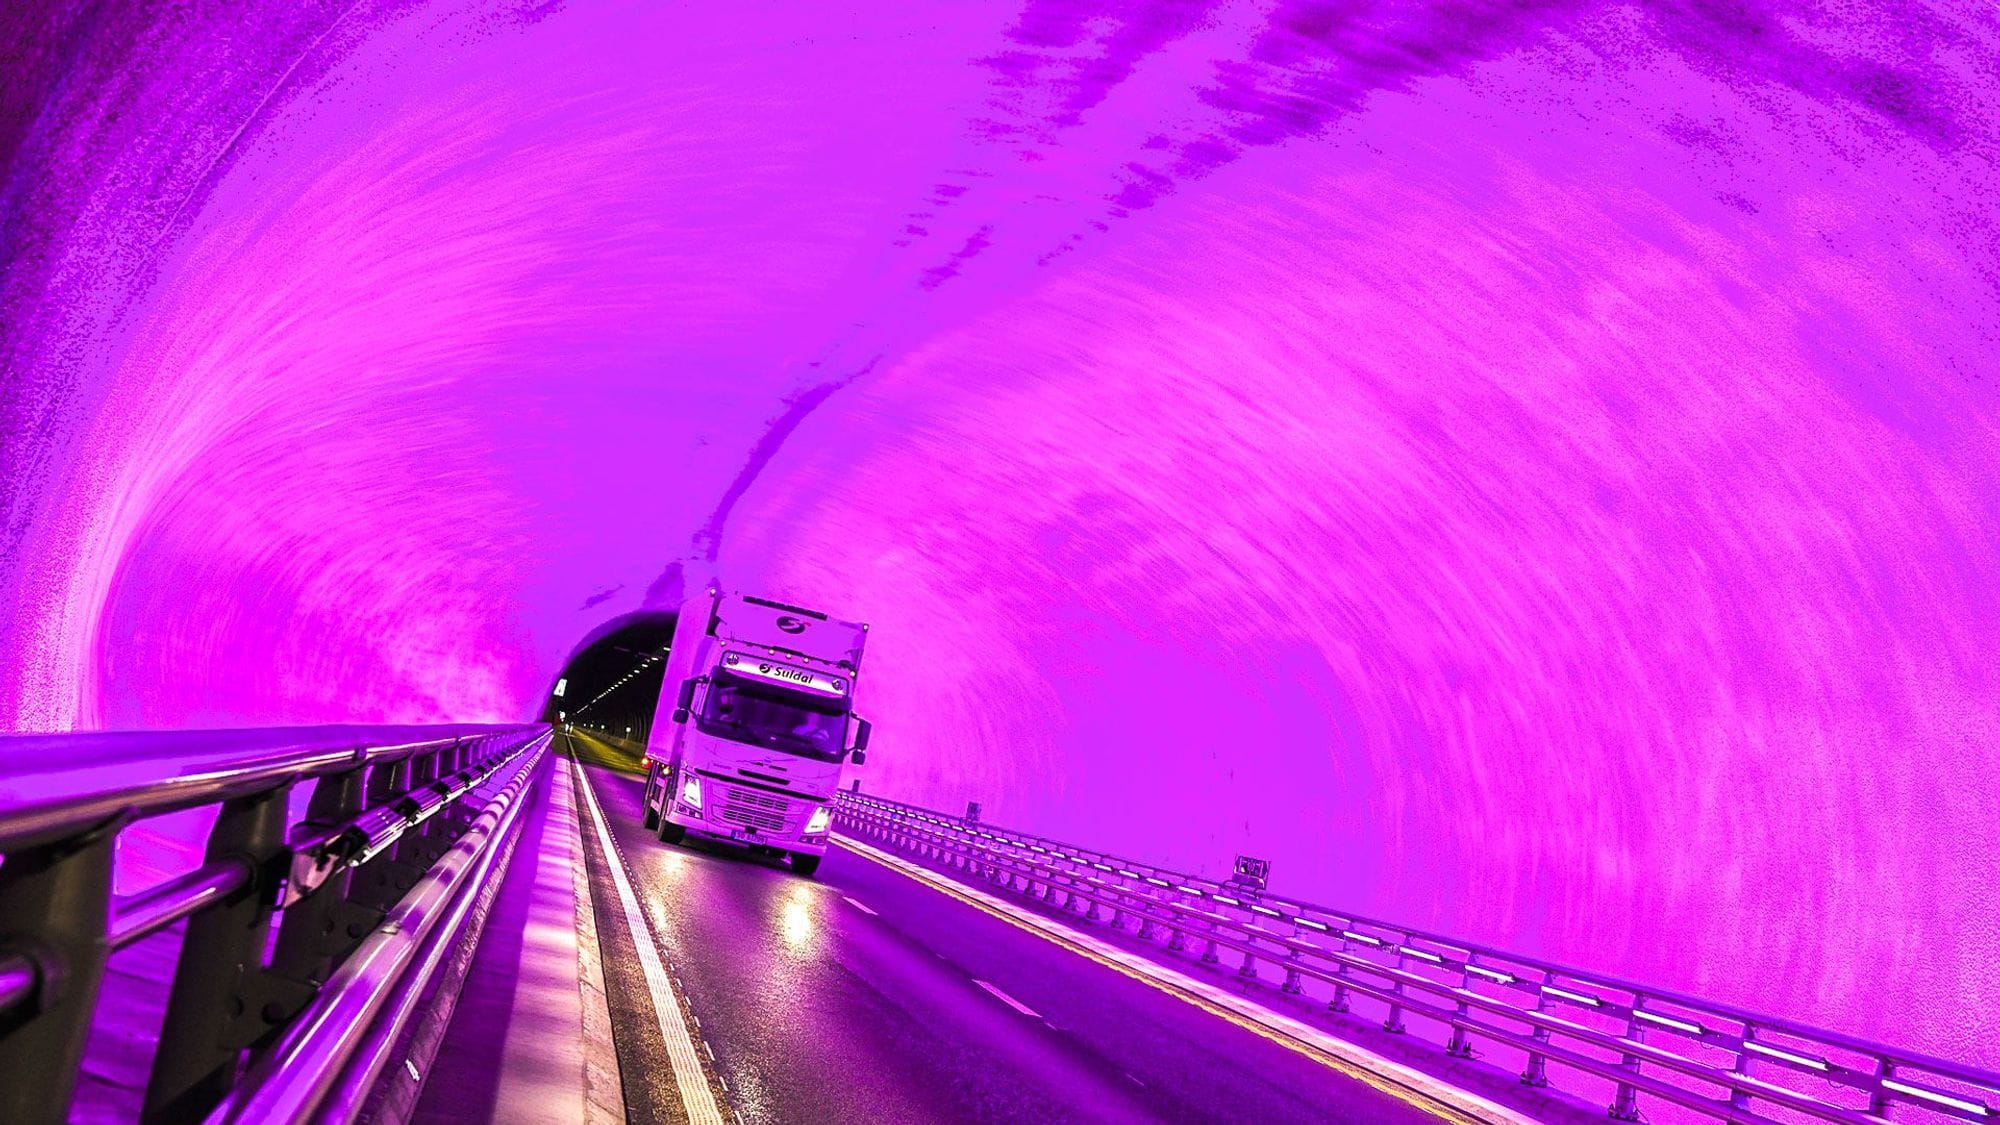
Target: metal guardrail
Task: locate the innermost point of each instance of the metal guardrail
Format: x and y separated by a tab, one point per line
1713	1059
304	940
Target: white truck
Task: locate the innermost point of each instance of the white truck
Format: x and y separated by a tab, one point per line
758	700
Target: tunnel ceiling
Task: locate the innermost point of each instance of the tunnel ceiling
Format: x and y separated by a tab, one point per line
1526	469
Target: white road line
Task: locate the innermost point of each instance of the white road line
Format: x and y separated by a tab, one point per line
696	1097
858	905
1009	1000
1406	1083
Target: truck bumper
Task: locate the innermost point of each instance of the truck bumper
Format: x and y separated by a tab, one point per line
709	830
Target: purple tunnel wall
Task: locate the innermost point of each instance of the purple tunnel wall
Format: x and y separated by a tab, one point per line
1529	470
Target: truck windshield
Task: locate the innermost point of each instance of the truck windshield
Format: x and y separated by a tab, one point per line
773	717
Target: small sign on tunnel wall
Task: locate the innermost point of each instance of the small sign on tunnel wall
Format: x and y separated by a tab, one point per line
1252	871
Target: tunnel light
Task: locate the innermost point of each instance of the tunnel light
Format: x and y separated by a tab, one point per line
1578	997
1960	1104
1489	974
1669	1021
820	821
1362	938
1423	953
1809	1061
691	792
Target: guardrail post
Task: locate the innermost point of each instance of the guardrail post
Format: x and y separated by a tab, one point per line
218	1004
1625	1103
1537	1072
1394	1024
381	881
316	933
1738	1098
1459	1046
423	847
1878	1098
55	902
1338	1005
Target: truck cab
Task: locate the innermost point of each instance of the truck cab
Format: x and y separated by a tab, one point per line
761	727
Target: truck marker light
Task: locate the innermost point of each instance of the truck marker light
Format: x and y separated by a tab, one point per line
1266	910
1423	953
1225	898
1158	882
1191	890
1489	974
1362	938
1322	927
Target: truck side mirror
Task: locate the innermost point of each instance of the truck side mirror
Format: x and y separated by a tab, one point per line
861	732
685	702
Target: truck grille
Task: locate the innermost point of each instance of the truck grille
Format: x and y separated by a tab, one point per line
752	809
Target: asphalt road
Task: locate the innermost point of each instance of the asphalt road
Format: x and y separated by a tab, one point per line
864	996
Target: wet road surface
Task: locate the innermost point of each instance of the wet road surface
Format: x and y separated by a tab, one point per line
864	996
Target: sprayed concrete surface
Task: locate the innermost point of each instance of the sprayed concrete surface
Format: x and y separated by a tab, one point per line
1527	469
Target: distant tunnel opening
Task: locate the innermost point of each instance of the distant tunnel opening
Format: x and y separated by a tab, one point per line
611	684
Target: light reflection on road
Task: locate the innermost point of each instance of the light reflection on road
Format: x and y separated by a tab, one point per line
798	926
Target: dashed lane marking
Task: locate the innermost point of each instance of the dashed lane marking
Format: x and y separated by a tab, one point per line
696	1097
1406	1084
858	905
1009	1001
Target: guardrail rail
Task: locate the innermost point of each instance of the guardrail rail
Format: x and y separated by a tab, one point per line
307	940
1646	1043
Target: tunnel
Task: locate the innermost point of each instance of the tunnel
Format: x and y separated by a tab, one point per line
611	683
1529	470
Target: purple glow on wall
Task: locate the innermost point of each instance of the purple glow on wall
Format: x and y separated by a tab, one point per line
1529	470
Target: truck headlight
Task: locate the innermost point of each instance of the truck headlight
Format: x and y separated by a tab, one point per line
691	793
820	821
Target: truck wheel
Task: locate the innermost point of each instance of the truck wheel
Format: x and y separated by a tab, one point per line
670	832
805	864
650	817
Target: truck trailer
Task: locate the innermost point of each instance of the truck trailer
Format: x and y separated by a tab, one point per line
759	703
